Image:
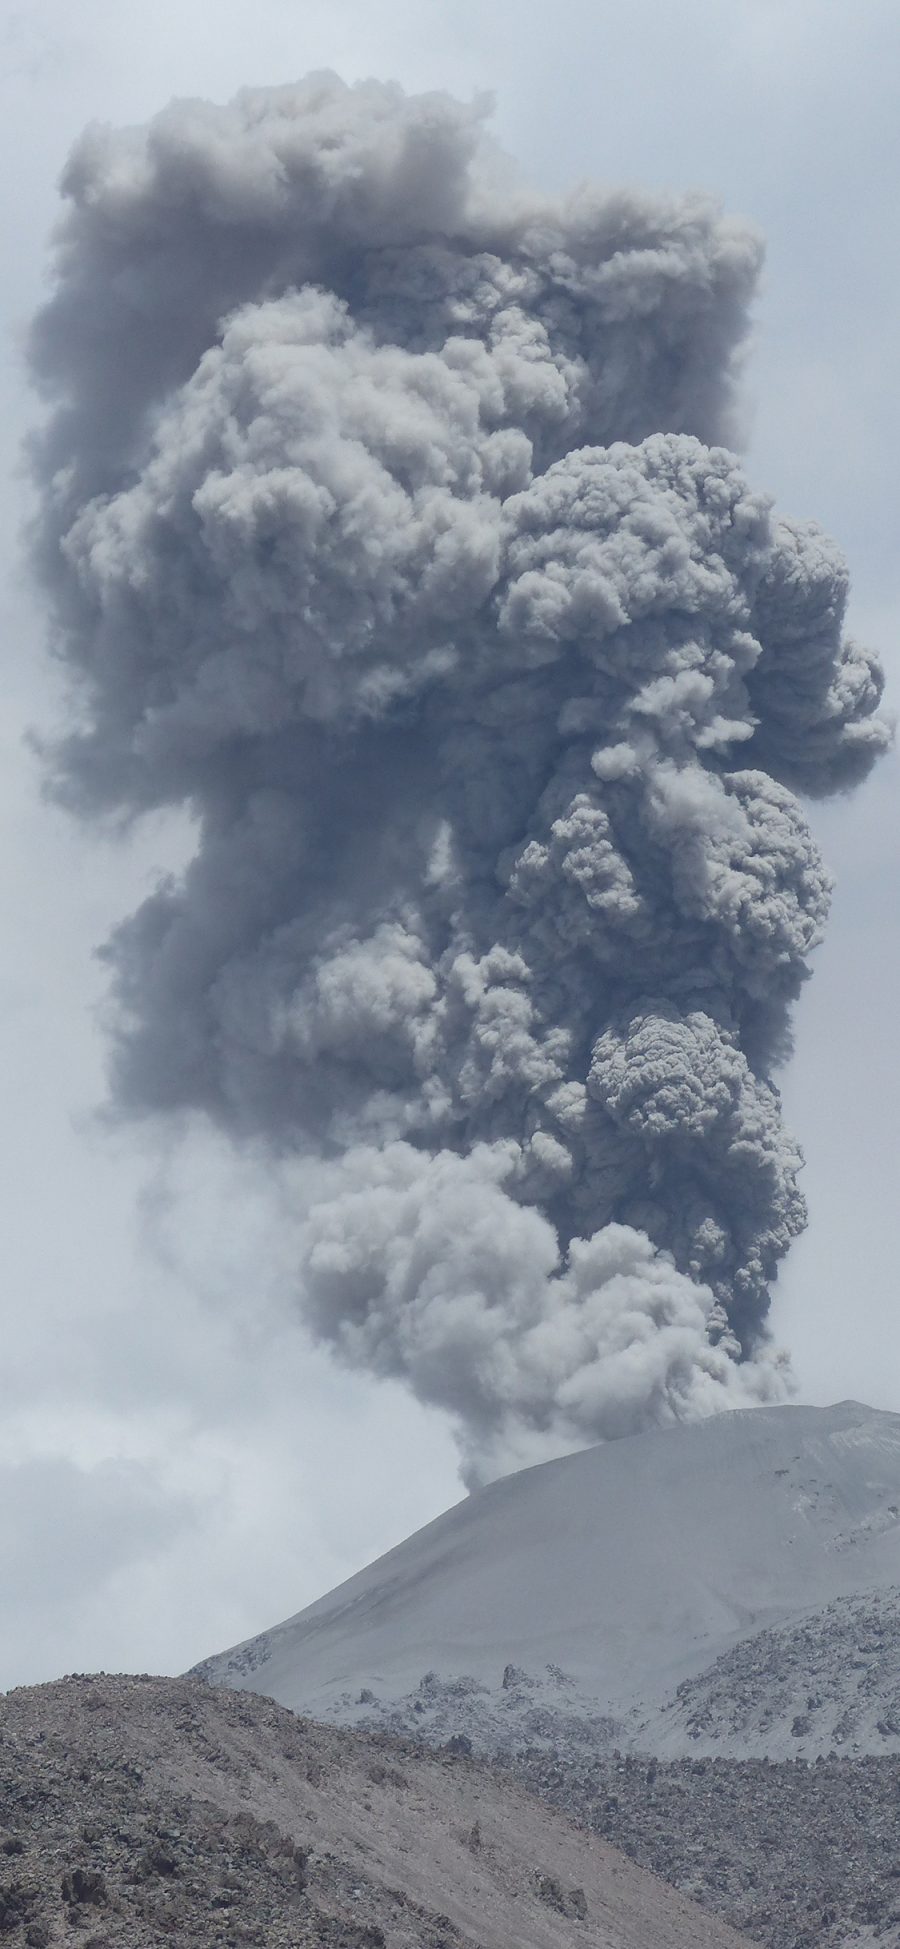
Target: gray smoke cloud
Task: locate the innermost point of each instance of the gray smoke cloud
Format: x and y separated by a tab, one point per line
388	522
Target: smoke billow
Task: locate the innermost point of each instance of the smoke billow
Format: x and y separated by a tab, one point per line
386	524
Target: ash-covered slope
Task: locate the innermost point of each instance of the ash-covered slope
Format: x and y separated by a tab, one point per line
587	1591
827	1682
137	1811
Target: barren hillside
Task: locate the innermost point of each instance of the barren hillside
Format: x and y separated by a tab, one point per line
139	1811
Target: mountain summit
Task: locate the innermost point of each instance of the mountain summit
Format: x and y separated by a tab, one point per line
730	1586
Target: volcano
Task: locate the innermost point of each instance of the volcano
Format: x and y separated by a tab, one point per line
691	1589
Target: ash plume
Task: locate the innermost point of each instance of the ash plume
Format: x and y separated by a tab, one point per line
388	522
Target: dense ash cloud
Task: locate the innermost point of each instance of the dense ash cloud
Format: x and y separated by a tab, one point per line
387	524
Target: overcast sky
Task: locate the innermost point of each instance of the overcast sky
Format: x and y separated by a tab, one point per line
172	1478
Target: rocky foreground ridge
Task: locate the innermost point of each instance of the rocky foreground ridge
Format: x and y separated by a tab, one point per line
140	1811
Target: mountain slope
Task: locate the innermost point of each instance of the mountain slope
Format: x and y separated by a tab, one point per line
151	1810
601	1583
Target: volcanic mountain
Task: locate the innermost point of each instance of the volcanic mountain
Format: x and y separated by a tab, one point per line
728	1587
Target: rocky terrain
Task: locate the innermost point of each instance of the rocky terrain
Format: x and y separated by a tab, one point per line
797	1855
827	1683
523	1709
136	1812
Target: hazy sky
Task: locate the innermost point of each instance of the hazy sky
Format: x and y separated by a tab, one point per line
171	1479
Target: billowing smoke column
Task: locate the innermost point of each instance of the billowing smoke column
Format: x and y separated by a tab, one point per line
384	525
